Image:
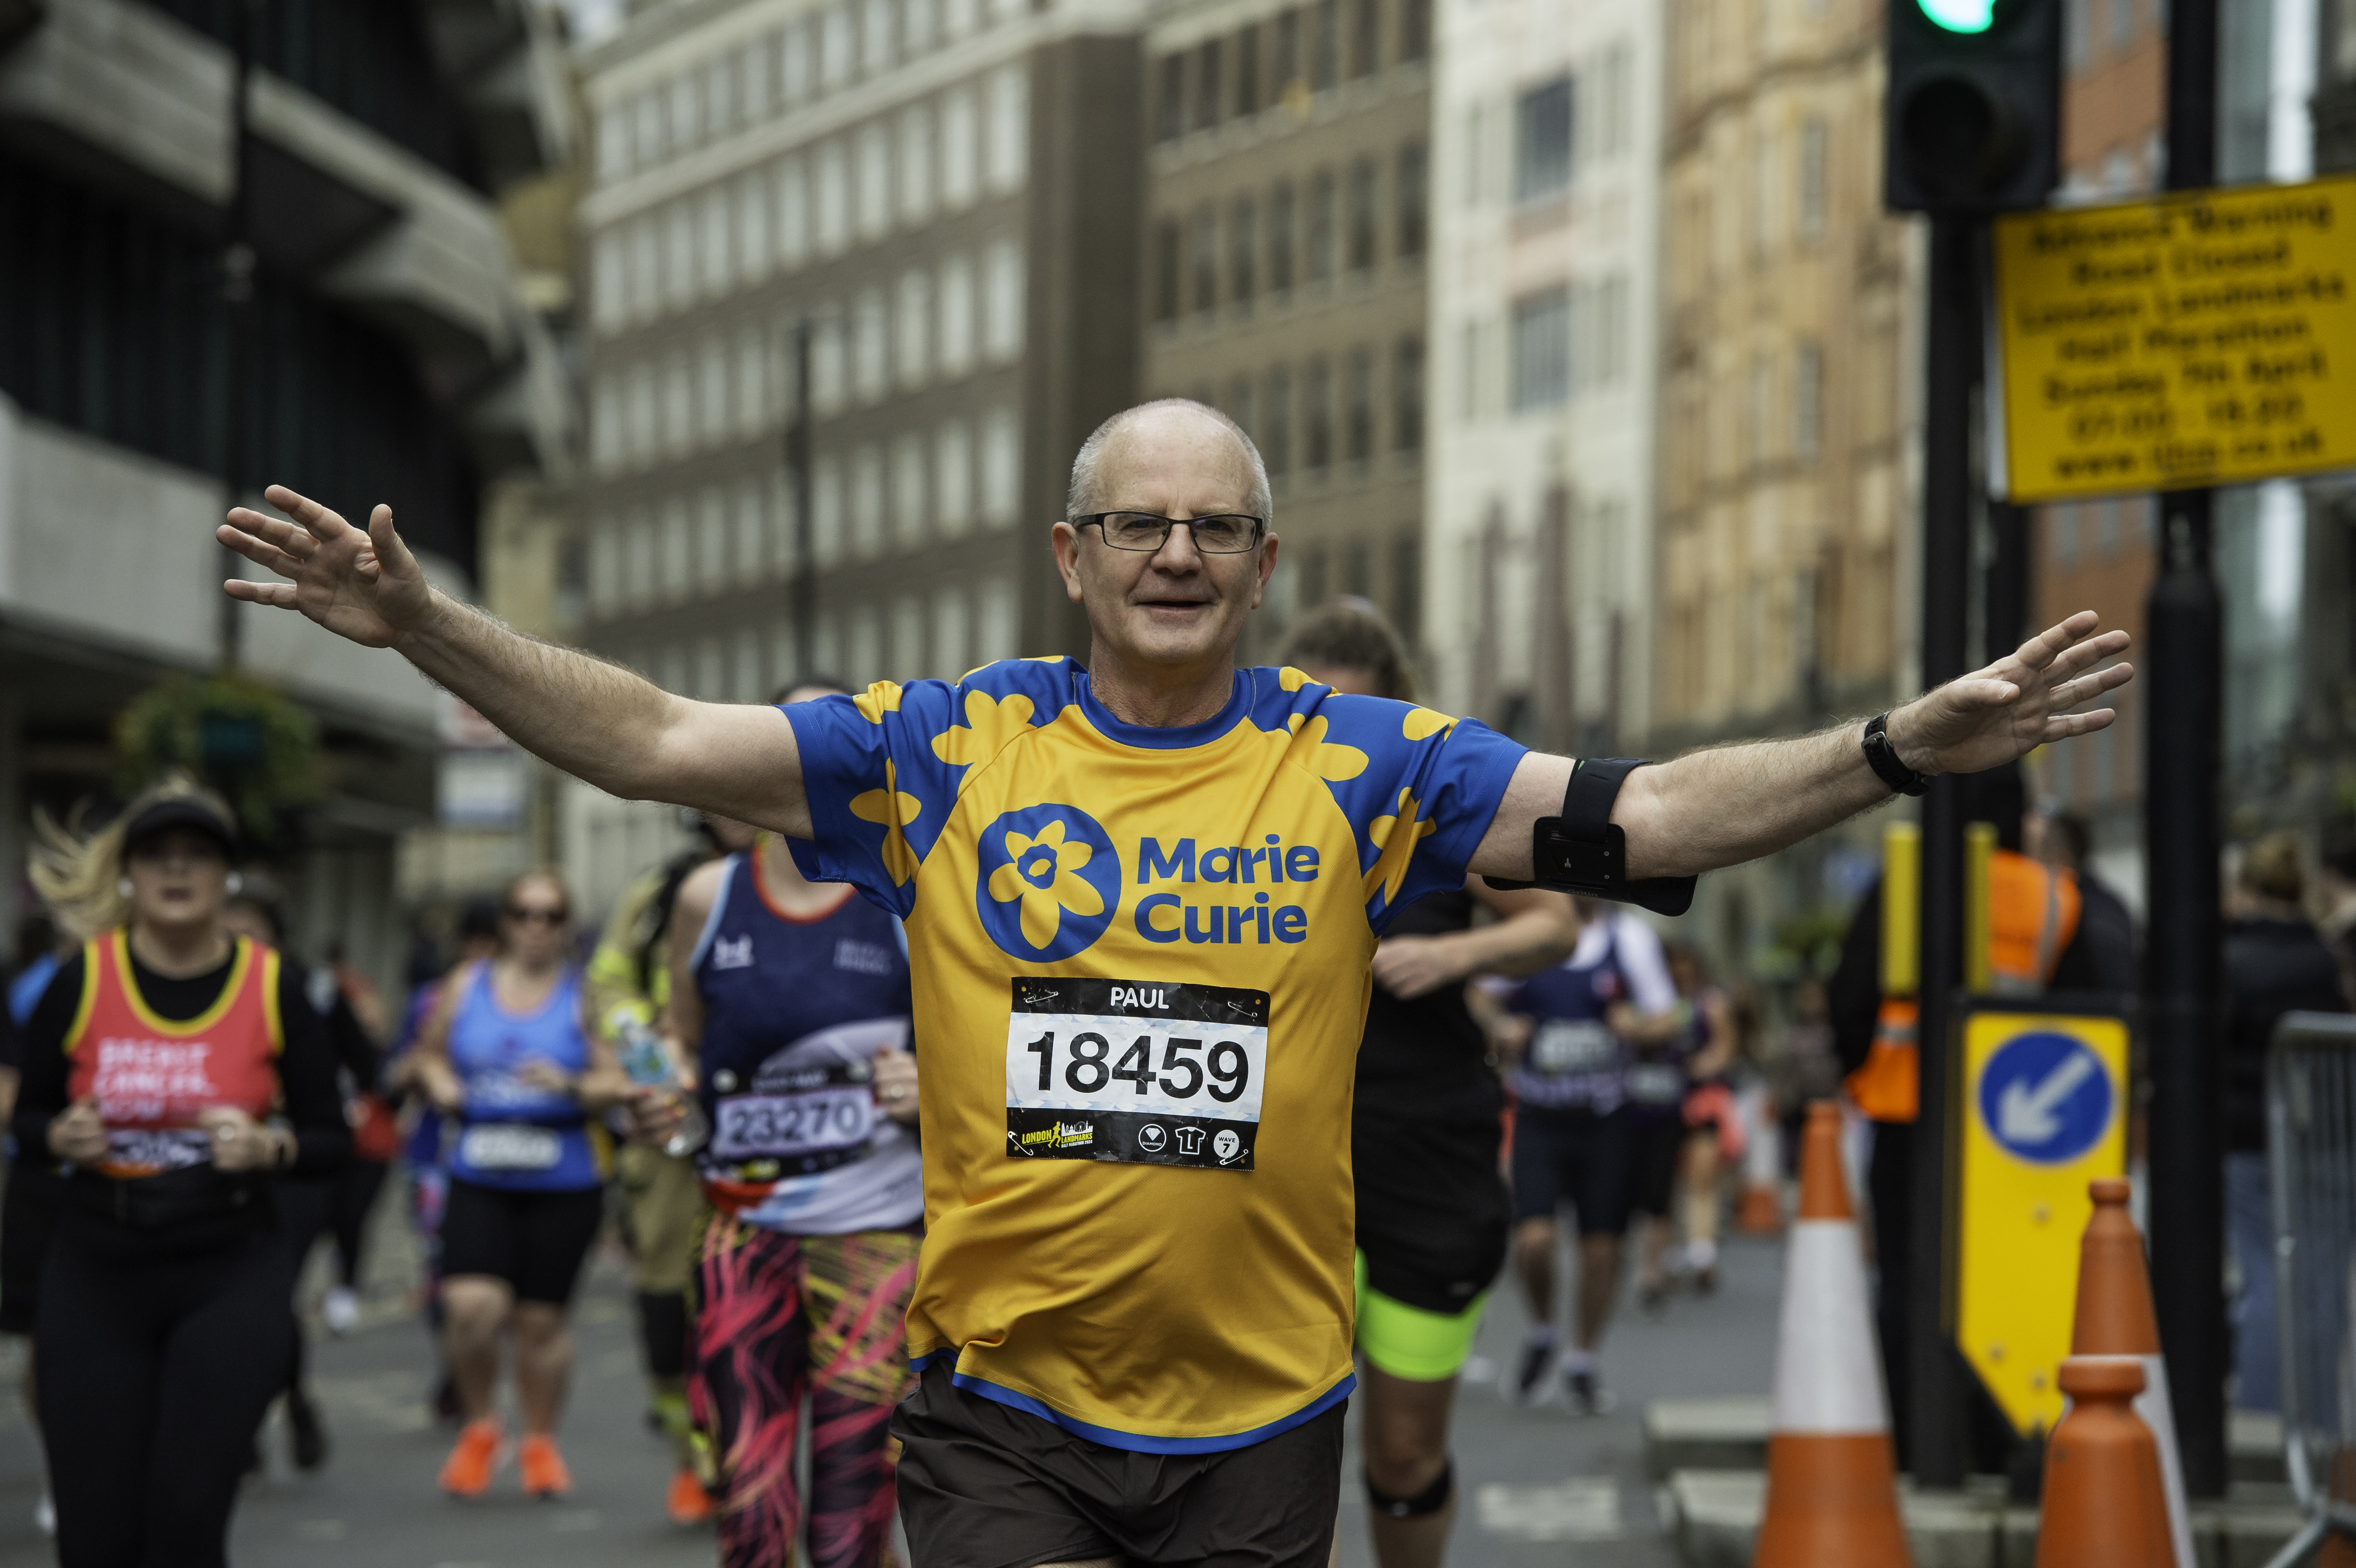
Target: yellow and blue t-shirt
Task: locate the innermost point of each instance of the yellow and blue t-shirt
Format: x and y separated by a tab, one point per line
1141	975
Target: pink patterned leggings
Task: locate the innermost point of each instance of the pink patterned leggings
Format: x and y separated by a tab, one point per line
778	1316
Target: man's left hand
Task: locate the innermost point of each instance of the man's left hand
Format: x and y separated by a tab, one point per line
2001	713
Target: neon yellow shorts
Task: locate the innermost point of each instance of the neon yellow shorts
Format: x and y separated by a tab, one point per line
1410	1342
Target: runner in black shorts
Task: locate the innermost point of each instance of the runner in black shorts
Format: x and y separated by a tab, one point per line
1574	1136
1424	1134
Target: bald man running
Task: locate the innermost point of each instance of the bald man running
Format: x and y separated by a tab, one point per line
1141	898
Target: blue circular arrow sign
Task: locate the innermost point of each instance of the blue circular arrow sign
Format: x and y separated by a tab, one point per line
2046	1097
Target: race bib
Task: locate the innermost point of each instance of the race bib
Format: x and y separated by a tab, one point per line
510	1145
1655	1083
1574	1045
789	1126
1138	1071
150	1151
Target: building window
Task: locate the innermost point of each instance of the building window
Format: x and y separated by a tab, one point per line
916	27
1407	395
1010	129
2123	24
1247	69
1288	50
953	478
913	361
1281	225
1003	330
1413	199
1276	440
1325	46
2078	29
1165	269
1808	403
1365	46
1812	179
1205	251
874	179
1002	469
1541	349
1314	579
1415	30
957	315
1358	433
1321	227
917	162
1317	415
1239	405
1362	215
1174	97
1243	243
875	36
1542	119
1207	87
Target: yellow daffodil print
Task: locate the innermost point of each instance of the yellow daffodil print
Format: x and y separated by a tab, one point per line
1329	759
1424	722
989	726
1050	881
1397	834
893	808
877	700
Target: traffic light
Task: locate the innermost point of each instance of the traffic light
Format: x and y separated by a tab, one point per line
1971	120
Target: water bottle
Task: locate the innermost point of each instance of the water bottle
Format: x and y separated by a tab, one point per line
648	1064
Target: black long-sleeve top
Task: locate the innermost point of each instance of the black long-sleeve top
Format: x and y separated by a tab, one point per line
305	1066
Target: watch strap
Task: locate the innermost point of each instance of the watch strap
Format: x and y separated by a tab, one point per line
1882	757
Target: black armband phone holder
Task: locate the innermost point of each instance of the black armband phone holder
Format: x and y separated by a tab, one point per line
1584	851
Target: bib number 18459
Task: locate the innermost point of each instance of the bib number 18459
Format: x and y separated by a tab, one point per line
1135	1071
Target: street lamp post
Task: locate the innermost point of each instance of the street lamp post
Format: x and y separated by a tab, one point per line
237	270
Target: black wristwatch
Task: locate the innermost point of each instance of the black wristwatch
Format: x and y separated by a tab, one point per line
1882	757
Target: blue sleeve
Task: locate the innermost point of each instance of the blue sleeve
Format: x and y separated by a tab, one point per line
1419	788
882	769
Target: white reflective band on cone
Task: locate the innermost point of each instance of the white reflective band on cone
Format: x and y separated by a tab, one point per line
1828	1369
2152	1406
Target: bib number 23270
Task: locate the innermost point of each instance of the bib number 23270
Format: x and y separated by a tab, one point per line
1140	1071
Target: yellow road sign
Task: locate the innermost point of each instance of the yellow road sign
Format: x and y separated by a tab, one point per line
2196	339
2045	1100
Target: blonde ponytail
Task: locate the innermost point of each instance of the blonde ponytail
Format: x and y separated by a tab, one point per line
79	875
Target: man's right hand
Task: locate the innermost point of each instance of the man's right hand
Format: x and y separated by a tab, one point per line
364	585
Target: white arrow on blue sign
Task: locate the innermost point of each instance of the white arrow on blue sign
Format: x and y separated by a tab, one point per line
2045	1097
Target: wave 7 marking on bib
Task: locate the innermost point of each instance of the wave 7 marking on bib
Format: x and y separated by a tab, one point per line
1135	1072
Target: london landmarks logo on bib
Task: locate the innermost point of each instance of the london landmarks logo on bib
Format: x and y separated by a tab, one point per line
1049	883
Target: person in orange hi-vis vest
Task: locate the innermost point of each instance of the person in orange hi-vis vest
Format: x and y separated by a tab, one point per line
2033	920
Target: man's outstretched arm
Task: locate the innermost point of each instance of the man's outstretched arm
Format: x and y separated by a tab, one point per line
595	721
1730	804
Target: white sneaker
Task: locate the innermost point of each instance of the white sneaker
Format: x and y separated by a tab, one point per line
341	1308
45	1514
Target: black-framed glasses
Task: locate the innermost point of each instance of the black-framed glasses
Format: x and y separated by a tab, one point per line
537	914
1221	535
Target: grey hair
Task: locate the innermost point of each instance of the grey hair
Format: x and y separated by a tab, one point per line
1081	499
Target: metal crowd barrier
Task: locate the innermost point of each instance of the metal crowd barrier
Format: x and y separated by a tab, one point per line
2311	1120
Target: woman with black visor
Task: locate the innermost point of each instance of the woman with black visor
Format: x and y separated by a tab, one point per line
173	1071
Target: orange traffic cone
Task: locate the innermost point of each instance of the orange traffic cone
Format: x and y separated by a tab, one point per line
2104	1506
1832	1492
1760	1211
2114	1317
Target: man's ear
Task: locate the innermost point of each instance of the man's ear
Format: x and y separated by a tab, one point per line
1267	570
1065	540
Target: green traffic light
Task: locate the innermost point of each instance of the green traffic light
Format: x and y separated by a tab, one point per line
1959	15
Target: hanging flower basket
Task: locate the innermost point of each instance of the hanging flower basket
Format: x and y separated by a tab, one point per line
260	749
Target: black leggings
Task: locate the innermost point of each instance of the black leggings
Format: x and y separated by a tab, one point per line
155	1370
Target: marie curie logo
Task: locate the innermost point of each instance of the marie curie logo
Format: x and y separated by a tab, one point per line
1050	881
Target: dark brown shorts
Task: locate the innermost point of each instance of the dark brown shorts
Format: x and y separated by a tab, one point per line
985	1485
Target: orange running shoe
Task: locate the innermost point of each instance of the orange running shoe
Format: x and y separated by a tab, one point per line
689	1503
544	1474
481	1444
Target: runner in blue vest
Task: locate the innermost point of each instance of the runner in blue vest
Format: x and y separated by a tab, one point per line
508	1054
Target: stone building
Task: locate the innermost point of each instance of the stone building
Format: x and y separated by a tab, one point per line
926	210
1546	212
1789	408
1285	236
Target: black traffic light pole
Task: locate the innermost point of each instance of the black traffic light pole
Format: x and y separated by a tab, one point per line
2182	677
1936	1408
